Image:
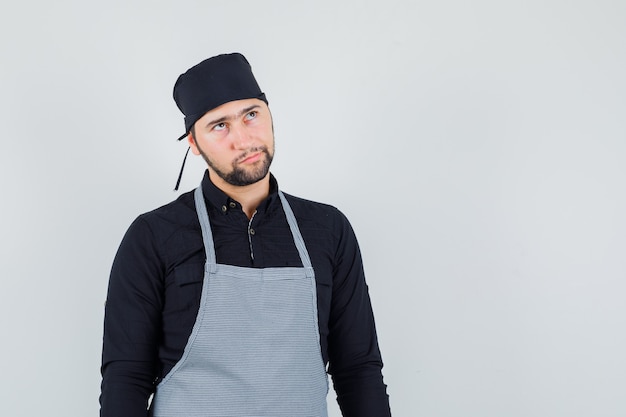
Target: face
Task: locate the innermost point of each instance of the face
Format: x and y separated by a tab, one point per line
236	140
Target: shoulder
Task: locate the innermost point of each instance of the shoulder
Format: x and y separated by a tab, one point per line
312	209
175	211
321	216
168	221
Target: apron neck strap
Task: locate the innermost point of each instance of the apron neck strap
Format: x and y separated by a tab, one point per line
295	231
205	225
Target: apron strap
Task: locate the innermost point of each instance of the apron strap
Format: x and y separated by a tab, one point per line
297	237
205	225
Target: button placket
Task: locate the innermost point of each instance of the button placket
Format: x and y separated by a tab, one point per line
251	233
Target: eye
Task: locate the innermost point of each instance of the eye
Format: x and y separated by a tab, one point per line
251	115
219	126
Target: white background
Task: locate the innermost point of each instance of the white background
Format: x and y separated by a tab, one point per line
478	148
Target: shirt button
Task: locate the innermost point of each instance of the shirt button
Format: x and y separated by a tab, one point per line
232	204
224	208
252	232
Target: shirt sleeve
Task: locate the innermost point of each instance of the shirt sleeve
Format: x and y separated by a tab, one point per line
131	325
355	362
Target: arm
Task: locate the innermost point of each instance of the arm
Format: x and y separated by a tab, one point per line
131	325
355	360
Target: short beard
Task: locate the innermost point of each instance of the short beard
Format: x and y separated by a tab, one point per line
241	177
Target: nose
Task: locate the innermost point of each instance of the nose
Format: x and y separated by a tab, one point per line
240	137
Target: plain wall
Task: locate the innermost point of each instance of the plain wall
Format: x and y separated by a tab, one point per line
478	149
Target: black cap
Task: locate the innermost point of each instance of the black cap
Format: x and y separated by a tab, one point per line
213	82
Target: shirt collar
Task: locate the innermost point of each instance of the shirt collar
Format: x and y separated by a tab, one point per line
223	203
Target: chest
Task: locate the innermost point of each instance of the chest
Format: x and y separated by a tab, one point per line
271	245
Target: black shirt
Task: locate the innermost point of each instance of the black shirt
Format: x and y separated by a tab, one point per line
156	282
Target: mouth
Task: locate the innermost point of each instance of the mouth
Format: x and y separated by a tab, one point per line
251	158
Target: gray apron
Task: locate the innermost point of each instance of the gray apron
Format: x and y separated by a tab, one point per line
254	350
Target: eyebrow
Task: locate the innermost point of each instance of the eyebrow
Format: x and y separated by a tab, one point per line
233	116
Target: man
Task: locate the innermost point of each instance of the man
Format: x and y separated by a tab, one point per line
233	299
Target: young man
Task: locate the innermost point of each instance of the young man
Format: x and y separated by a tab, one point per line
233	299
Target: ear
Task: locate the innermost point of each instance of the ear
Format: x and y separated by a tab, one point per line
192	144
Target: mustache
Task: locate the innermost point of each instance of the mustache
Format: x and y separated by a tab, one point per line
247	153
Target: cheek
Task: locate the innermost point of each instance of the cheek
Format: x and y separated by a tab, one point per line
207	146
266	133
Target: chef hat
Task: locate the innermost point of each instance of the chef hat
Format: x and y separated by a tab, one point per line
213	82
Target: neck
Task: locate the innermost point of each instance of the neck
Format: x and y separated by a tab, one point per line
249	196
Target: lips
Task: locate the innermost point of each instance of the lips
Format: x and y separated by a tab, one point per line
251	156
